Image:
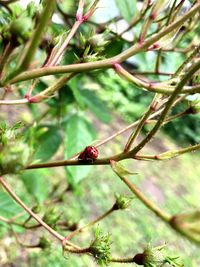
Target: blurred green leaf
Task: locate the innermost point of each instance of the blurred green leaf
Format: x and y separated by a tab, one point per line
36	183
96	105
78	134
8	207
114	48
127	8
77	93
48	142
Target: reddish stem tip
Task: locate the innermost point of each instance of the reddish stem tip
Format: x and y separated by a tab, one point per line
33	99
116	66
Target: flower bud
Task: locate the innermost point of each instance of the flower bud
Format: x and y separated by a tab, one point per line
44	243
98	40
100	248
194	107
14	158
21	28
122	202
154	256
51	217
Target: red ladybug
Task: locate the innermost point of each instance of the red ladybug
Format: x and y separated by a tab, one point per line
89	153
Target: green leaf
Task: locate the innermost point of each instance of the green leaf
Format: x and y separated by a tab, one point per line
36	183
96	105
75	88
127	8
48	142
119	169
8	207
114	48
78	134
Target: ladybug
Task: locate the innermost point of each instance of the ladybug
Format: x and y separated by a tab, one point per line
90	153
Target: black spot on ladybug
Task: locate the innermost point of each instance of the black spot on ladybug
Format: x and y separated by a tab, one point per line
90	153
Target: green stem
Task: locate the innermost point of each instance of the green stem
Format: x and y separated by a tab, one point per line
139	47
164	113
77	251
14	102
150	205
29	211
188	60
106	63
91	223
53	61
162	88
142	122
169	154
49	92
122	260
34	41
4	58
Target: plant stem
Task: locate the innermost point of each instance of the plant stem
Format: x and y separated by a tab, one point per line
29	211
188	60
164	113
77	251
49	92
53	61
162	88
14	102
169	154
150	205
122	260
57	57
34	41
142	122
90	223
106	63
139	47
7	51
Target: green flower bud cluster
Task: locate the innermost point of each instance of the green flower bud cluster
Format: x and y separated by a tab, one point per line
15	154
155	257
51	217
19	26
121	202
100	248
93	46
44	243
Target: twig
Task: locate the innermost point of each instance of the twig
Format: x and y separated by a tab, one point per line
29	211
